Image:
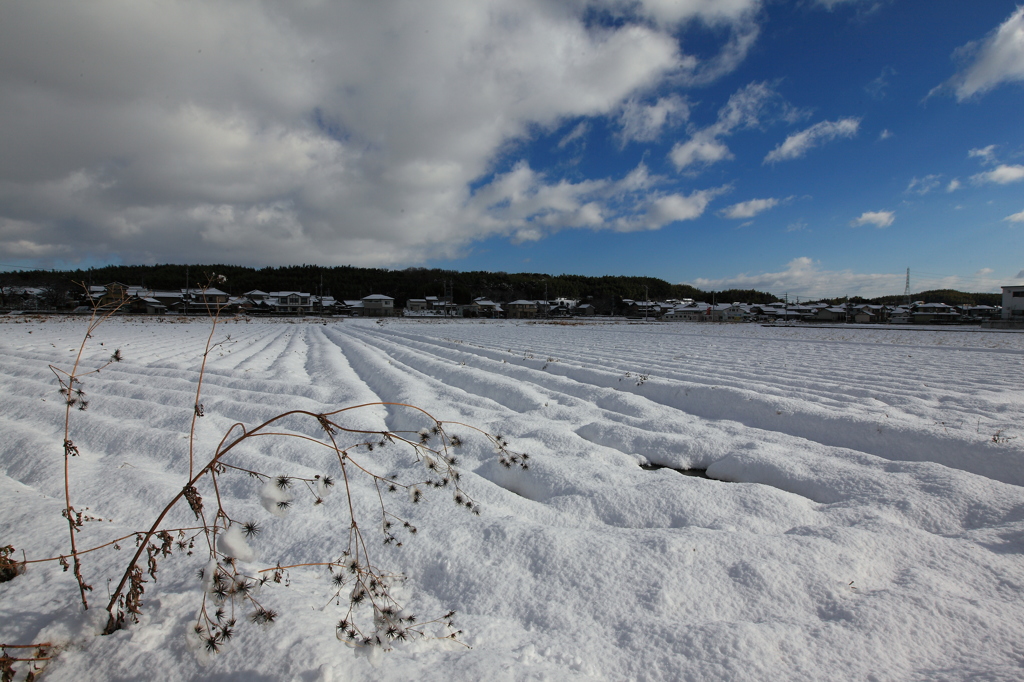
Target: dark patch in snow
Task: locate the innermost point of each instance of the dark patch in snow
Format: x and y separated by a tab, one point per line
696	473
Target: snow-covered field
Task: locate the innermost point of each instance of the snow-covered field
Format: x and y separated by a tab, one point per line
867	521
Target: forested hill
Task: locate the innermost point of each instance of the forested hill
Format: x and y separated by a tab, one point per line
345	282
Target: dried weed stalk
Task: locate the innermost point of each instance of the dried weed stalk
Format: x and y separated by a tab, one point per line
372	615
38	655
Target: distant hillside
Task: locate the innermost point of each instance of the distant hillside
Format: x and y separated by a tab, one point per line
949	296
346	282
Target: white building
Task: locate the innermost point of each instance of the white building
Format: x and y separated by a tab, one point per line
1013	303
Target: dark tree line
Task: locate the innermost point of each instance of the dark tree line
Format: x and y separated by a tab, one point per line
346	282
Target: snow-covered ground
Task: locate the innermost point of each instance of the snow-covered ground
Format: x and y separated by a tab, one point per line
867	521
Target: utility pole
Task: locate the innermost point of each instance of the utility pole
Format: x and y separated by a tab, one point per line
647	302
906	289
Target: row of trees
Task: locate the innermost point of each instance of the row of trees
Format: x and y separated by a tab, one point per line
346	282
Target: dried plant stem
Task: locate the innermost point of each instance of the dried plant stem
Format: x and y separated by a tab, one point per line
106	544
68	389
197	412
225	582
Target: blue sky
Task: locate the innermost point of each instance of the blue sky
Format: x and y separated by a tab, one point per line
815	148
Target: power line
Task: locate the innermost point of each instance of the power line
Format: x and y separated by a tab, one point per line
25	267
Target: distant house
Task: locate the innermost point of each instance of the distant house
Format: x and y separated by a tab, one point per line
689	311
900	315
933	313
833	314
378	305
416	305
1013	303
354	307
484	307
173	301
208	296
521	309
977	313
290	302
868	313
147	305
257	296
649	310
114	294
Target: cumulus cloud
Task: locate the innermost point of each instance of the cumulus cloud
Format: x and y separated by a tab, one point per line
798	144
879	219
752	106
525	205
330	132
657	212
804	277
749	209
1015	218
885	134
1000	175
996	59
699	150
953	185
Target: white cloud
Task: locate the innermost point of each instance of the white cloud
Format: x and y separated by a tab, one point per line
998	58
885	134
645	122
699	150
953	185
749	209
576	133
879	219
986	154
668	209
798	144
805	278
1015	218
749	107
1000	175
923	185
522	203
339	132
